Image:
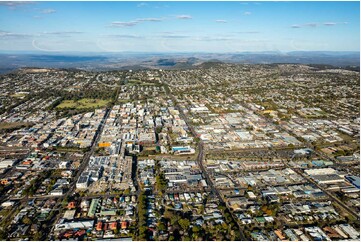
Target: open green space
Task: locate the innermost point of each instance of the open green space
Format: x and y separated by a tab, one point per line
85	103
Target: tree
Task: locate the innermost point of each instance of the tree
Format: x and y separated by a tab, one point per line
162	227
158	129
184	223
27	220
38	235
186	238
142	233
127	191
3	235
175	219
161	183
196	229
168	214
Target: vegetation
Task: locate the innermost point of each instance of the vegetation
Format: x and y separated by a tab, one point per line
85	103
142	223
35	183
160	183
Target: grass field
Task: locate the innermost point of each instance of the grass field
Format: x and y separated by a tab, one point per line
84	103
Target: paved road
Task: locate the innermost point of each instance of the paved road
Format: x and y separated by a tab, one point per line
301	173
200	159
86	158
333	197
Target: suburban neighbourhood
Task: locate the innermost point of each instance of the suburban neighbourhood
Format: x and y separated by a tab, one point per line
217	152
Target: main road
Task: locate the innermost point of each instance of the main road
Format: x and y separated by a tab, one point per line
323	156
87	155
200	159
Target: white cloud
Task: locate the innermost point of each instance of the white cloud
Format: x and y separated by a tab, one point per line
64	32
118	24
48	11
175	36
329	24
121	24
124	36
149	19
247	13
139	5
313	25
183	16
14	3
221	21
6	34
248	32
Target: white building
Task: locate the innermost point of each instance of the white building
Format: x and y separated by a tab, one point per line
6	163
82	182
322	171
7	204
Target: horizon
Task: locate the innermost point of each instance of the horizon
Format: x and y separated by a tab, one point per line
79	53
179	27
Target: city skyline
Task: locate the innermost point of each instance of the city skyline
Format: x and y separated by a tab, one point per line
179	26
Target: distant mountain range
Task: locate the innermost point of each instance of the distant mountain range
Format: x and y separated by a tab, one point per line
136	61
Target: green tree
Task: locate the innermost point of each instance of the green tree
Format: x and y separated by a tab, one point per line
184	223
38	236
27	220
142	233
3	234
196	229
162	227
127	191
175	219
186	238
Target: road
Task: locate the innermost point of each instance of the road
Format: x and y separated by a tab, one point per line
200	159
81	168
305	144
301	173
87	155
334	198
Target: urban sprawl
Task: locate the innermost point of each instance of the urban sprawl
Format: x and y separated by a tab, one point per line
218	152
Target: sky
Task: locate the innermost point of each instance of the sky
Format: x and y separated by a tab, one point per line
217	27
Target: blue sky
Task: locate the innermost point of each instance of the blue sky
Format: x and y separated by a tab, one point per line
179	26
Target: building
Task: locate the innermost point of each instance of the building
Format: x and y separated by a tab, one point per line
82	182
63	165
57	192
354	180
328	179
69	214
182	150
74	225
7	204
321	171
147	138
6	163
93	207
